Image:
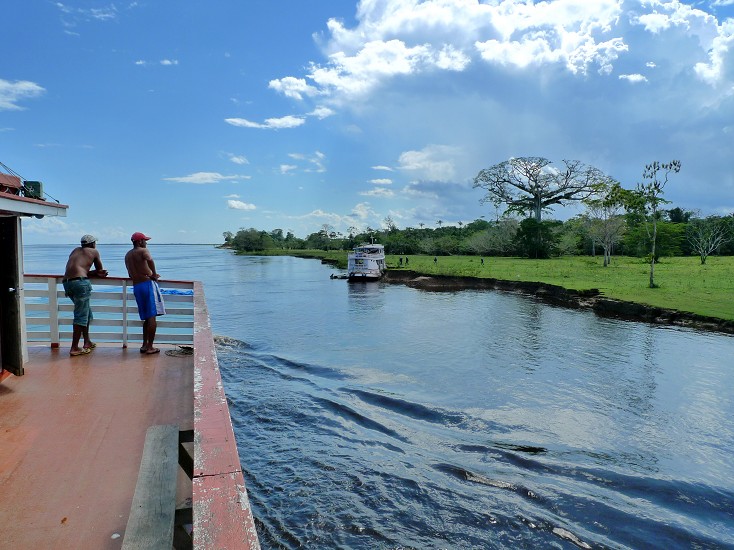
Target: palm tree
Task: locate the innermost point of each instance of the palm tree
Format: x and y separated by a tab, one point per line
440	223
422	224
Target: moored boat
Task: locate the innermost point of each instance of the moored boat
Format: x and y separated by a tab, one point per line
366	262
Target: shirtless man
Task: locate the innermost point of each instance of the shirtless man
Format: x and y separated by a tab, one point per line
79	289
141	269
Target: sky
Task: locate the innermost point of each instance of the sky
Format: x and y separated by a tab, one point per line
186	119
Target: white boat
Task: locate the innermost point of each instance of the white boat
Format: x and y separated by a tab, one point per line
366	262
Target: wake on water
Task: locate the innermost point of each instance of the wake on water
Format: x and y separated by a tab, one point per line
330	463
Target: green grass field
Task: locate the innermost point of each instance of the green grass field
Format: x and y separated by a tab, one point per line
683	284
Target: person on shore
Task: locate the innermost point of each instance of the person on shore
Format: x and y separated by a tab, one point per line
78	288
141	269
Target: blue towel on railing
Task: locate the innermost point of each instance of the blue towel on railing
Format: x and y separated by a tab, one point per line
178	292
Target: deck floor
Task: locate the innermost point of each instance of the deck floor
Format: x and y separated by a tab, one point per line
72	431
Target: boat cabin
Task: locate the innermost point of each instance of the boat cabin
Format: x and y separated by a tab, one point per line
15	204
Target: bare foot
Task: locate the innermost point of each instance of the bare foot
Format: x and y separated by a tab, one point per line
82	351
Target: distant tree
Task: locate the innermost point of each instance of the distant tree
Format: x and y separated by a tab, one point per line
606	222
647	199
250	240
707	235
227	236
390	224
498	238
440	223
678	215
421	225
529	185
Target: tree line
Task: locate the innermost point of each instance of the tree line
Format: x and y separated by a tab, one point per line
631	222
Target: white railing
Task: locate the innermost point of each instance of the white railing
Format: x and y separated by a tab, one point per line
50	314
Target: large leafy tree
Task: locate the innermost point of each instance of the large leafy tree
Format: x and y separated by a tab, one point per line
529	185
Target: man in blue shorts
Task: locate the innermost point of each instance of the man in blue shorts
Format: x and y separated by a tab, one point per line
79	289
141	269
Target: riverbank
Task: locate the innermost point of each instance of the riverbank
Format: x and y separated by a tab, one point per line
560	296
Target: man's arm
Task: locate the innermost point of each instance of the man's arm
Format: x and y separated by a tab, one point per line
151	265
99	270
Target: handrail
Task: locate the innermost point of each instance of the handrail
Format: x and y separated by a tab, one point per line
49	314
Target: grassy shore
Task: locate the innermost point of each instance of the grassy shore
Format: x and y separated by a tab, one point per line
684	284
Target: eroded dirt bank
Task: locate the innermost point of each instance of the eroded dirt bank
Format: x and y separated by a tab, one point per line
556	295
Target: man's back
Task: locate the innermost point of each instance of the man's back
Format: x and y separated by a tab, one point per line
136	261
80	260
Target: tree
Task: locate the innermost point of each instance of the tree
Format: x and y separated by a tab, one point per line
529	185
227	236
607	223
678	215
536	239
706	235
647	199
390	224
497	238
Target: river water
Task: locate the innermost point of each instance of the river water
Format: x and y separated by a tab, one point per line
371	415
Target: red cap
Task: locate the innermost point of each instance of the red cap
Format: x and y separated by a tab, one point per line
138	236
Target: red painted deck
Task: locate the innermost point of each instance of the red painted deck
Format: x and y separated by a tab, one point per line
72	431
71	437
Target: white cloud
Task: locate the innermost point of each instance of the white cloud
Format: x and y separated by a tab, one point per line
721	56
410	37
238	159
321	112
169	61
232	196
433	163
413	190
239	205
201	178
634	78
322	217
288	121
379	192
381	181
13	92
385	168
95	14
293	87
363	211
315	162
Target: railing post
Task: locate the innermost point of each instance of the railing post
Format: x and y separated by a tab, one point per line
124	313
53	312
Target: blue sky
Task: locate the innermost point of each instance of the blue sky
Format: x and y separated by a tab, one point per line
188	119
